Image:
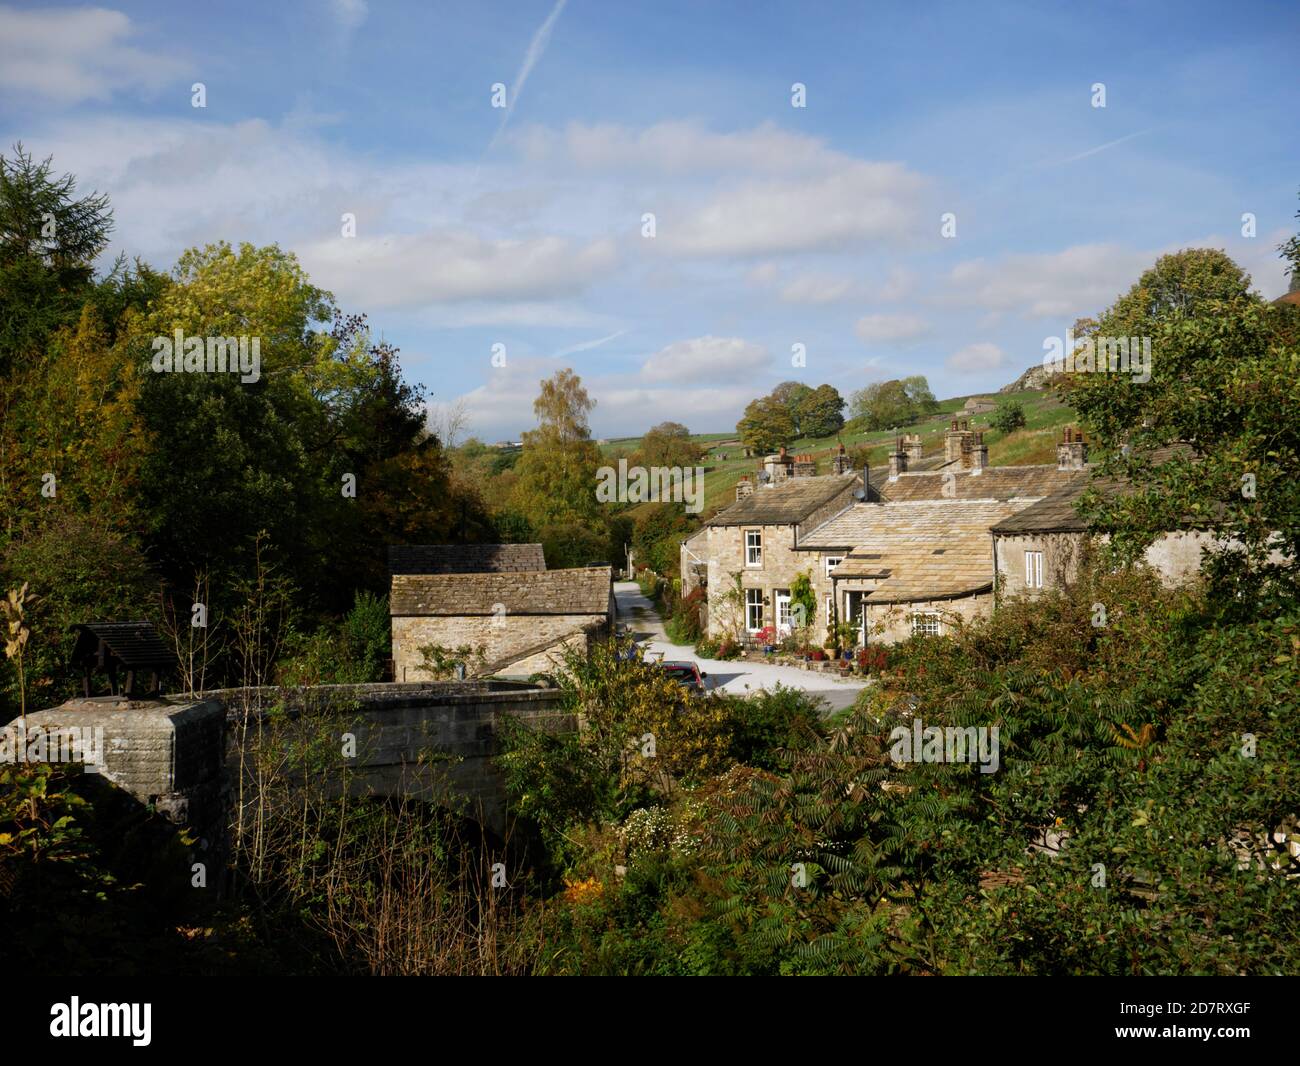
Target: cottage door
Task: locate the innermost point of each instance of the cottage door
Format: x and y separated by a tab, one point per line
783	622
855	612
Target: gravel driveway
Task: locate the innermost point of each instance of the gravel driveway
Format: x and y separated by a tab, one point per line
738	678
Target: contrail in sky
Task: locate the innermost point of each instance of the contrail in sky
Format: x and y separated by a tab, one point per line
535	49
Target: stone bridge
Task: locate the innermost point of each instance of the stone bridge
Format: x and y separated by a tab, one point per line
181	754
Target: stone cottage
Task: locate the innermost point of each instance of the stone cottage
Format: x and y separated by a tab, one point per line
894	552
497	599
744	556
1042	546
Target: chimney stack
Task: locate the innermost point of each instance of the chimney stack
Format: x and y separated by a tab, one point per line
956	442
1072	452
912	447
744	487
840	462
897	460
979	455
805	466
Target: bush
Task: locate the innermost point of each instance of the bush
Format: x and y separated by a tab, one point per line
683	626
873	659
1009	417
706	648
353	652
648	581
769	722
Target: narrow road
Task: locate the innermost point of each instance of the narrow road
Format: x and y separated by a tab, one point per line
737	678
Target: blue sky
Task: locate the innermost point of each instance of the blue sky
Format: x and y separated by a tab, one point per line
775	226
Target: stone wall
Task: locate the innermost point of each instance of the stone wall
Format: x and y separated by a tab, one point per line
183	756
890	623
167	753
433	740
1062	553
1176	557
501	635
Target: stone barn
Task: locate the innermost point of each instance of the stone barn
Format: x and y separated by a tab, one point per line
497	599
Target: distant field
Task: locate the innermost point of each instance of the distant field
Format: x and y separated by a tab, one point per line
1036	443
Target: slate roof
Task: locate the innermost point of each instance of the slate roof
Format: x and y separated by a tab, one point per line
786	503
583	590
926	550
1055	513
1052	514
136	645
464	558
993	483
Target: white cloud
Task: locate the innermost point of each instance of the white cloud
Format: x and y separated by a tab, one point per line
817	289
976	357
679	148
504	403
888	329
177	183
782	192
706	359
75	54
624	410
823	289
1080	280
1085	279
860	204
899	285
447	266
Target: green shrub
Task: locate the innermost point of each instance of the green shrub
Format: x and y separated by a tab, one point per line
1009	417
771	721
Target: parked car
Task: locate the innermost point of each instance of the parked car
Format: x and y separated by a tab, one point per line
687	674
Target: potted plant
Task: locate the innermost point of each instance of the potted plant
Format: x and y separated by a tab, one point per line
767	638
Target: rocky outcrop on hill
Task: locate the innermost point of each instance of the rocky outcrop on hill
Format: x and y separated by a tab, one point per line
1033	378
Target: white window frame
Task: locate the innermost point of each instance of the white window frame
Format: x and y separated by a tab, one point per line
1033	569
927	624
832	561
753	600
754	552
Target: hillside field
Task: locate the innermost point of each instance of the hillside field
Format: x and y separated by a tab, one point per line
1045	415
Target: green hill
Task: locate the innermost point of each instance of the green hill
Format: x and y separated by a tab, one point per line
1035	443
